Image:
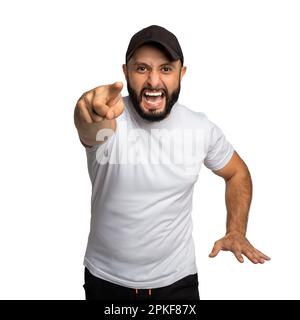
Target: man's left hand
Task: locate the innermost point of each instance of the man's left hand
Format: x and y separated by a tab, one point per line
238	245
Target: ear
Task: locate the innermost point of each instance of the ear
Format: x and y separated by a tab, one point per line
183	71
125	71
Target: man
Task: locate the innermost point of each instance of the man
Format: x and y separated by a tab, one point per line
144	154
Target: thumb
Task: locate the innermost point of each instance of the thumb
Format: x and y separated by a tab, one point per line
114	91
216	249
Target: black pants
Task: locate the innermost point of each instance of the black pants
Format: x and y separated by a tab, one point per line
99	289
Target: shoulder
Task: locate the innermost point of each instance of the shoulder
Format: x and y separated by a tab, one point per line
192	117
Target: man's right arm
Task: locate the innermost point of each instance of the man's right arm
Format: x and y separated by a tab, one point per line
97	109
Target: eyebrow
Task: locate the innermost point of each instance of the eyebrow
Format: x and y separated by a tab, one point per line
145	64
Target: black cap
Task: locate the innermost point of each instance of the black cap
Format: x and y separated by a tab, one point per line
157	35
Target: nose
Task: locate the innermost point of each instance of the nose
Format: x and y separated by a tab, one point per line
153	78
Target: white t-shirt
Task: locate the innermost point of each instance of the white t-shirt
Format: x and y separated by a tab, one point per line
142	188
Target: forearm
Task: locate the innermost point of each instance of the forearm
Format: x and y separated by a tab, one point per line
238	197
90	133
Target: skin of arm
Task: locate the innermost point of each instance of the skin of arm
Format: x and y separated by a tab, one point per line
238	195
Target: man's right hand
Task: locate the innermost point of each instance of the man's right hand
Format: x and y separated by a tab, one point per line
96	110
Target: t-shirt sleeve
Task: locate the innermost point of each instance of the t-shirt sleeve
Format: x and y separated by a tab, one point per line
219	150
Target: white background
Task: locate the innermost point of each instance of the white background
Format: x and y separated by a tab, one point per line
243	71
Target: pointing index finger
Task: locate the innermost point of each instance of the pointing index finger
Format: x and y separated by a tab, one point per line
114	91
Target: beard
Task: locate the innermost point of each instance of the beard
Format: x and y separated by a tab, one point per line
152	116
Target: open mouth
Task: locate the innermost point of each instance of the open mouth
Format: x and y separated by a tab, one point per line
153	99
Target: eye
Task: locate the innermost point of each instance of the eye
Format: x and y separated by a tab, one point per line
166	69
141	69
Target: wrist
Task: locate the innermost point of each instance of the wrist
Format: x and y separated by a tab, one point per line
235	233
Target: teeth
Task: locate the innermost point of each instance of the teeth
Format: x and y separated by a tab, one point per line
153	94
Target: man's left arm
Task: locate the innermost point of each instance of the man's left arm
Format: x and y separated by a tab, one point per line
238	197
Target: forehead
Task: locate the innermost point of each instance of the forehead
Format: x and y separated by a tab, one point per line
151	53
